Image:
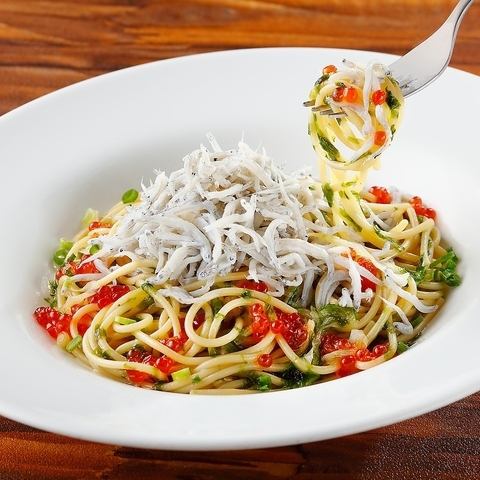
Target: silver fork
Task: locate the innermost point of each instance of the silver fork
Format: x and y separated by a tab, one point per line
424	63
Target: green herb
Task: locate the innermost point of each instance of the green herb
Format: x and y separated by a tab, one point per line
182	374
130	196
158	385
230	347
383	236
73	344
52	288
441	270
216	304
293	296
246	294
340	84
311	187
328	193
393	129
329	316
350	221
214	351
402	347
52	291
328	147
444	269
333	315
196	379
124	320
89	217
94	249
392	103
419	274
294	378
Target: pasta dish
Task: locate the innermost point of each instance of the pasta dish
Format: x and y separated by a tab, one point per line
232	276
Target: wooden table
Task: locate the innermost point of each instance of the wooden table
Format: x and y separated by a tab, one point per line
46	44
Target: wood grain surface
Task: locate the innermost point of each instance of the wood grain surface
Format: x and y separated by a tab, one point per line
46	44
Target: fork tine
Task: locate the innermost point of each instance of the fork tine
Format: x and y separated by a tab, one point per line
322	110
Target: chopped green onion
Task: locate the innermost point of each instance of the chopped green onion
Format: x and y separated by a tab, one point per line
94	249
182	374
148	288
60	256
89	217
328	193
101	353
130	196
73	344
146	303
196	379
124	320
402	347
246	294
65	244
417	321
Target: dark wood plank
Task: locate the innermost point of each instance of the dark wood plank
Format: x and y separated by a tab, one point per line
45	45
48	44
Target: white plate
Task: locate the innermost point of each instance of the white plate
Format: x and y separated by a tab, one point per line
84	145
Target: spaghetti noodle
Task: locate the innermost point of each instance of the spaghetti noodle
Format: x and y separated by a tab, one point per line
230	276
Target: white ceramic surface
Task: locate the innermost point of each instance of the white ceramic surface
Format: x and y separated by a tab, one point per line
84	145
